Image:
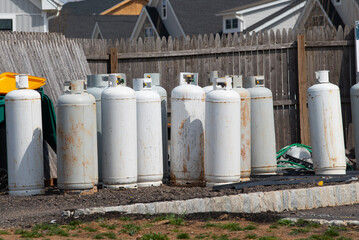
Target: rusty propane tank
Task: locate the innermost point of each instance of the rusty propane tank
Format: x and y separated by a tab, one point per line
326	126
263	149
76	139
187	131
24	140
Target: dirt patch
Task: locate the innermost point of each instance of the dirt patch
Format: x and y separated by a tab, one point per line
210	226
28	210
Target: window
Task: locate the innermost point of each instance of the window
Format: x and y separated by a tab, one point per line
149	32
337	2
6	25
232	23
318	20
164	9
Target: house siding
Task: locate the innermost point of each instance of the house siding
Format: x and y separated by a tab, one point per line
287	22
348	11
258	15
26	15
172	26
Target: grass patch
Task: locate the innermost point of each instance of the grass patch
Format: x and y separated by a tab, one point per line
331	232
306	223
3	232
344	238
51	229
109	227
230	226
268	238
125	219
109	235
183	236
154	236
98	236
297	231
286	222
177	220
274	226
28	234
131	229
250	227
89	229
319	237
202	235
251	236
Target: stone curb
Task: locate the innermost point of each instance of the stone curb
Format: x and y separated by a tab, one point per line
329	222
275	201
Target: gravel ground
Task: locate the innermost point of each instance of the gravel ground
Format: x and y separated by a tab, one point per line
28	210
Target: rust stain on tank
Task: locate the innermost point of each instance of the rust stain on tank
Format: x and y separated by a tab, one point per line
182	124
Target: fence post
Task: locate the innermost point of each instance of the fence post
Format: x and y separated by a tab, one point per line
302	89
114	60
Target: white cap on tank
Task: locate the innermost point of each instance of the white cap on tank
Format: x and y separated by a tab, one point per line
22	81
322	76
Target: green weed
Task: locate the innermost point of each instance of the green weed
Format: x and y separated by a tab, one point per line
250	227
28	234
154	236
98	236
268	238
183	236
297	231
125	219
131	229
306	223
201	236
89	229
231	226
274	226
110	227
286	222
331	232
251	236
109	235
3	232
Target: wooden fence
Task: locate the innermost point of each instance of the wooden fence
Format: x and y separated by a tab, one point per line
46	55
276	55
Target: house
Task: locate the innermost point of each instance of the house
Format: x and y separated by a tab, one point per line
163	18
348	10
28	15
279	14
105	19
182	17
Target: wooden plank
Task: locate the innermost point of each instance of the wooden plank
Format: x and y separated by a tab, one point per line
114	60
302	84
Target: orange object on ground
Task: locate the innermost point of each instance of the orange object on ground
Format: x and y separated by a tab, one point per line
8	84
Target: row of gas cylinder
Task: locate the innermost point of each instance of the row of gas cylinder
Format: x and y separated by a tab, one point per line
111	134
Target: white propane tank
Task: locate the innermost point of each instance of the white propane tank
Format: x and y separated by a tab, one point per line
326	126
96	83
245	127
223	134
76	139
263	149
156	86
187	131
354	98
212	76
119	136
24	140
149	134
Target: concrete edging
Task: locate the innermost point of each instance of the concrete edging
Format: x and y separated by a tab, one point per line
275	201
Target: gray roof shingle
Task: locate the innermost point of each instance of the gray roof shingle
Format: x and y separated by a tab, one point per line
111	27
88	7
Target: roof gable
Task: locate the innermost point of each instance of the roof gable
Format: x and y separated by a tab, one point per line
126	7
